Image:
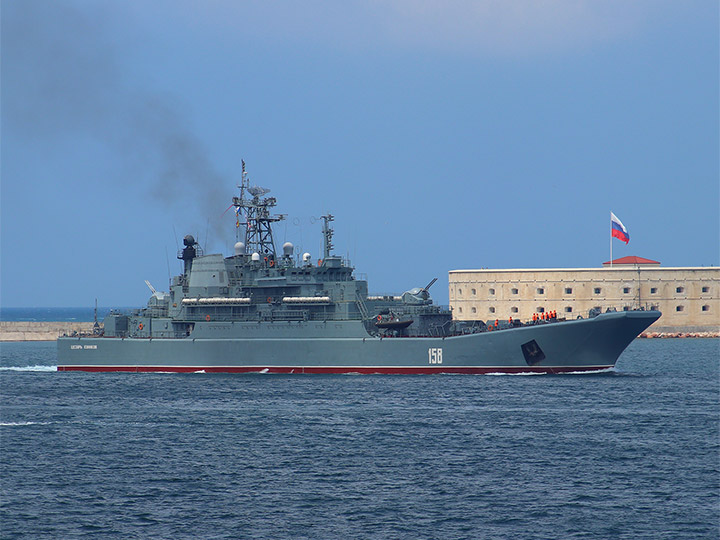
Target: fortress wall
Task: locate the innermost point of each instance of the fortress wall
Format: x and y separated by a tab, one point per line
40	330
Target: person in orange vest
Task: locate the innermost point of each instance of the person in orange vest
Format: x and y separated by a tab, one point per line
510	321
496	322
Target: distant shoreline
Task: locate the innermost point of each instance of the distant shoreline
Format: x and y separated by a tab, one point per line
40	330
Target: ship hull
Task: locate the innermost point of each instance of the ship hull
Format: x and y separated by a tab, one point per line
579	345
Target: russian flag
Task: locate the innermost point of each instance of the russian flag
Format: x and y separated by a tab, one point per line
618	229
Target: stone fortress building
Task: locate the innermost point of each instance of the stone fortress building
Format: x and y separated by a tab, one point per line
688	297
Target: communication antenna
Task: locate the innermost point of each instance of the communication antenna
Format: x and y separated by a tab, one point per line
327	234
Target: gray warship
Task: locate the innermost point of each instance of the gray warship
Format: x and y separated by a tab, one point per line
259	310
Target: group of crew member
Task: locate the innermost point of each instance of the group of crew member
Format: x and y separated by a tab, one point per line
536	318
544	316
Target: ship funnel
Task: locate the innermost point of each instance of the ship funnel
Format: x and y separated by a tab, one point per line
239	248
288	249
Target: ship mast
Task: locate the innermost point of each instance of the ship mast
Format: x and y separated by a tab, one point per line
327	234
258	220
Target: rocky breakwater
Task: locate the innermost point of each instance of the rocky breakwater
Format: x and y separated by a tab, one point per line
680	335
40	330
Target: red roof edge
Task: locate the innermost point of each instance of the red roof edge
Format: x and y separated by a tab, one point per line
631	259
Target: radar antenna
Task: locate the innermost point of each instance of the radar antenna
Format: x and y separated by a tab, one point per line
257	218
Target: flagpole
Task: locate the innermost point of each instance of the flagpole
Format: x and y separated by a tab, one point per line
611	259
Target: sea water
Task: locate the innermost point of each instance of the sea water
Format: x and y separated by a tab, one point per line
633	453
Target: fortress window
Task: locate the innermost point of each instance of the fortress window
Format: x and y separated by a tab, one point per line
514	309
491	291
474	310
626	290
568	309
706	289
706	308
597	290
460	309
541	290
540	310
568	290
626	308
491	310
654	308
653	290
514	291
473	291
679	289
679	308
459	291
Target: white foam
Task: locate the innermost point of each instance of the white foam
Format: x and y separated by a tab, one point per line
519	374
28	368
592	372
15	424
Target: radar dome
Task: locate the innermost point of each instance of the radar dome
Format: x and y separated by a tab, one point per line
256	256
189	240
306	257
239	248
288	249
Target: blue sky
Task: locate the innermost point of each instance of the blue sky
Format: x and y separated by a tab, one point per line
442	135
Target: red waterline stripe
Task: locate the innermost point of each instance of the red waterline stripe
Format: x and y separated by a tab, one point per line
333	370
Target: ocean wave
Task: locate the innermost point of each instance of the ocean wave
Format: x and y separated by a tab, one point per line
28	368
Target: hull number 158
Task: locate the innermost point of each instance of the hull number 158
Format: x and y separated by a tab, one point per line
435	355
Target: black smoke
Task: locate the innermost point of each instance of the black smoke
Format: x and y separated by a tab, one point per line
62	77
